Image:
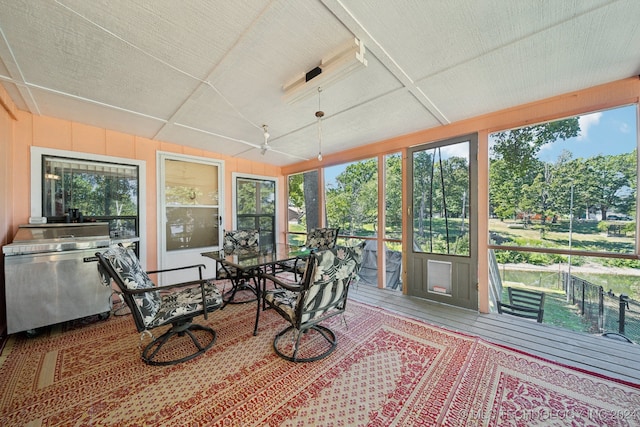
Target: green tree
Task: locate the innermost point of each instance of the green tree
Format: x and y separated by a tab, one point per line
440	202
423	165
296	193
610	182
247	203
352	204
101	195
393	195
515	166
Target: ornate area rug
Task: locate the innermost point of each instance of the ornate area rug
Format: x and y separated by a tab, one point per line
387	371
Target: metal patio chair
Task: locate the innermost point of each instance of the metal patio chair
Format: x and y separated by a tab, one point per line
156	306
320	295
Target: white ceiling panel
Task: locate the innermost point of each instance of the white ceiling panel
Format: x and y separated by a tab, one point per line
205	140
559	60
208	74
383	118
64	107
393	115
428	37
191	36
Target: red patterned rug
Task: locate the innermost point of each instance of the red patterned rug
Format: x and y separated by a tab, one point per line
387	371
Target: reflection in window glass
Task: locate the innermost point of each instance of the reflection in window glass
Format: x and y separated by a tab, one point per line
191	227
190	183
100	191
255	196
352	197
568	184
441	200
191	200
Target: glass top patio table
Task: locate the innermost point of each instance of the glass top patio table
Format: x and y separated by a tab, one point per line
256	260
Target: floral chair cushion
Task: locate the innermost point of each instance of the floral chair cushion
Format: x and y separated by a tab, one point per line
286	300
234	240
322	238
240	239
130	272
185	302
153	307
317	239
336	269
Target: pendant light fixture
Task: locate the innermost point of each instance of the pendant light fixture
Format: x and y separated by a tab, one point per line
265	146
319	116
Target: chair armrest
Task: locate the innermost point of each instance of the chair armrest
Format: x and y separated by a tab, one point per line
177	268
166	287
294	287
200	283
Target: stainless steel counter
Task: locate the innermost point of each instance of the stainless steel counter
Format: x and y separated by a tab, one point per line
51	274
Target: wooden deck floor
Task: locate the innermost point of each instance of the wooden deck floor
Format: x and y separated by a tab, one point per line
593	353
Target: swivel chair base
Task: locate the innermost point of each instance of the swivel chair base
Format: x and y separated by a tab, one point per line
153	349
327	334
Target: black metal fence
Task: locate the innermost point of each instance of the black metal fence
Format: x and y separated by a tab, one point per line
605	312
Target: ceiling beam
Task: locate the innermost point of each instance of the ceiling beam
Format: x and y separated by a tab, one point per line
340	11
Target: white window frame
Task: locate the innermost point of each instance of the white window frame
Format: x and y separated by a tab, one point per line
36	184
234	179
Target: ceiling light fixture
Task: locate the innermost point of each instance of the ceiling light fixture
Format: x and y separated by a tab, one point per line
319	116
265	146
336	67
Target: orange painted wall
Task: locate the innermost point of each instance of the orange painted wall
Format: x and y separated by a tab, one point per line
40	131
7	114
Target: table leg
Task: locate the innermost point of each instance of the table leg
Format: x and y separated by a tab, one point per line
257	280
239	284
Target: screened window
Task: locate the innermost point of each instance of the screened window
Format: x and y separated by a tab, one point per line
83	190
441	200
352	197
256	207
393	196
567	184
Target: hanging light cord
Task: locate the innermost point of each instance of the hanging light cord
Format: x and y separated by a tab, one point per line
319	116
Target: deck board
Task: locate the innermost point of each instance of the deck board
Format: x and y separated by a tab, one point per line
592	353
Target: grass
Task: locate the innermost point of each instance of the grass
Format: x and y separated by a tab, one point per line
584	236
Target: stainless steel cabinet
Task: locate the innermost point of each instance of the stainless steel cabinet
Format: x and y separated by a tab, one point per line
44	289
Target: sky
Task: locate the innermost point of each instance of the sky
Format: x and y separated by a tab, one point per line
605	132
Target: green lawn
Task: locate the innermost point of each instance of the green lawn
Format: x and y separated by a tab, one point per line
585	236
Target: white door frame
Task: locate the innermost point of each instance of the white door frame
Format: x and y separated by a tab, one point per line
193	255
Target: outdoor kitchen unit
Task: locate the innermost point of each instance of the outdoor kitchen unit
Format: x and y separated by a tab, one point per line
51	274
